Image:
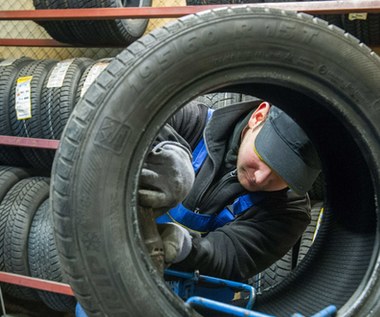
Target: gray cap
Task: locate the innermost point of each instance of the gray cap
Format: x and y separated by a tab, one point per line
286	149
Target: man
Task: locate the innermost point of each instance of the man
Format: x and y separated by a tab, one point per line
248	203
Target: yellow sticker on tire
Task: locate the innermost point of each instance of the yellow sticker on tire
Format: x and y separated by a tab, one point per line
23	100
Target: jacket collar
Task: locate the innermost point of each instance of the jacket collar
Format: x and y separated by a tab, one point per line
222	129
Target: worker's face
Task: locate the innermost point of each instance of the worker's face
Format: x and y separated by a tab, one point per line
253	174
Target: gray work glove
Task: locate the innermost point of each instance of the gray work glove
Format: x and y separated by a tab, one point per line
176	240
167	176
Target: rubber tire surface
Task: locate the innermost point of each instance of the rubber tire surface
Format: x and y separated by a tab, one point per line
274	274
291	59
219	100
367	31
39	69
280	270
43	258
311	231
57	103
98	32
19	206
9	176
93	73
8	74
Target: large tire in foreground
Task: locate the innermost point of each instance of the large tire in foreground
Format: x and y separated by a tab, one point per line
291	59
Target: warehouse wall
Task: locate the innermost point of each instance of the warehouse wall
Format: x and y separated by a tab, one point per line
31	30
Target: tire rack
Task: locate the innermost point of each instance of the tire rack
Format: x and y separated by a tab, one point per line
318	7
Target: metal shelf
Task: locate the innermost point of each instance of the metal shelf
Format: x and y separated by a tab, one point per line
311	7
32	282
29	142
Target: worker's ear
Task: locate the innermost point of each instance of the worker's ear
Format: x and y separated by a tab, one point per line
259	115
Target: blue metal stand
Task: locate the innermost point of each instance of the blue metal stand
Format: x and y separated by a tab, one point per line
215	294
187	285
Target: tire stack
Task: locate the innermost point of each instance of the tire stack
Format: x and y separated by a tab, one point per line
27	245
36	100
364	26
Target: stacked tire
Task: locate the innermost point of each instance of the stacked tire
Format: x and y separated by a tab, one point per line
27	245
364	26
36	100
94	32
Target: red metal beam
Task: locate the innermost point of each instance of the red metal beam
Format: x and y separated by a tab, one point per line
314	7
33	43
29	142
37	283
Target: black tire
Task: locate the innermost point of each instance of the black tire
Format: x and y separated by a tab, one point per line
336	19
374	29
311	231
95	32
367	30
222	99
43	258
274	274
59	30
38	70
8	74
89	75
290	59
58	100
20	205
9	176
317	192
219	100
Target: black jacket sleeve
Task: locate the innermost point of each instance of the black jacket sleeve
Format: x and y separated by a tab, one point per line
189	122
185	126
252	242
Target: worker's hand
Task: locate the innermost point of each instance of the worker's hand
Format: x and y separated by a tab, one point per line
167	176
176	240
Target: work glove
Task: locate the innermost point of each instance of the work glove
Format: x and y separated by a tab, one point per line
176	240
166	177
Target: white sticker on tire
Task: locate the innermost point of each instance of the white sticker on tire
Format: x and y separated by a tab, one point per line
7	62
58	74
92	75
23	102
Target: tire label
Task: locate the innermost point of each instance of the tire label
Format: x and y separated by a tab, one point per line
58	74
23	102
92	75
7	62
357	16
